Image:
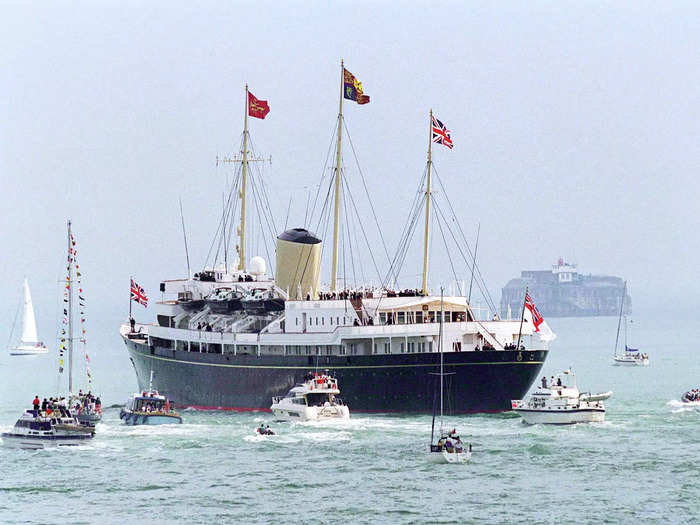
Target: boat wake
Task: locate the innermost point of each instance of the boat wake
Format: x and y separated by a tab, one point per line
680	407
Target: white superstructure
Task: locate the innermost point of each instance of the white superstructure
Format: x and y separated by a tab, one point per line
561	403
358	322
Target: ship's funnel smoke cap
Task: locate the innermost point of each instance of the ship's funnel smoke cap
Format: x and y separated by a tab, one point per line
299	235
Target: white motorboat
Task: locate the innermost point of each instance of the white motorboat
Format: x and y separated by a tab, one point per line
313	400
631	356
449	447
29	343
561	403
51	428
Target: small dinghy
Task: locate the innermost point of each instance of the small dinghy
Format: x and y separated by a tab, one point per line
265	430
691	397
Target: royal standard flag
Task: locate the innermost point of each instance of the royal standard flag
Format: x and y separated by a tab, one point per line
352	88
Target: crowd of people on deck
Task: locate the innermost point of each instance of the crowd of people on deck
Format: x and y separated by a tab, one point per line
51	407
692	395
513	346
87	403
452	443
204	326
366	294
552	382
157	405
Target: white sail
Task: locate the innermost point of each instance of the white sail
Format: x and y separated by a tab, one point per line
29	334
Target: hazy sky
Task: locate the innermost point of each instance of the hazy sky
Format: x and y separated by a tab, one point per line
576	129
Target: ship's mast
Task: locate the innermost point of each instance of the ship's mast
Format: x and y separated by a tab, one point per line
244	176
427	205
70	310
336	222
442	364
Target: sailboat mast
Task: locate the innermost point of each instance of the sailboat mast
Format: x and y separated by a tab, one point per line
244	177
427	206
70	310
336	212
442	366
622	305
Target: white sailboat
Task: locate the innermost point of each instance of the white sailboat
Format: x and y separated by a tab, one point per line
631	356
29	343
449	447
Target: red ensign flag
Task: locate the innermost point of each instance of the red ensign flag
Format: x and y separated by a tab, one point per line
257	108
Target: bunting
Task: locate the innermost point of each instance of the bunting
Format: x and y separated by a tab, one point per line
62	347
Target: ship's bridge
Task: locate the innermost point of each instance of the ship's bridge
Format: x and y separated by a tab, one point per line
327	315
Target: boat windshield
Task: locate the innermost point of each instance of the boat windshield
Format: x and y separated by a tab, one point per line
149	405
319	399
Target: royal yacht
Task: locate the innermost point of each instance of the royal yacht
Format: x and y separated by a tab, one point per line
379	342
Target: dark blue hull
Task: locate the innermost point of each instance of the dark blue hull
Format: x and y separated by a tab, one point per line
480	381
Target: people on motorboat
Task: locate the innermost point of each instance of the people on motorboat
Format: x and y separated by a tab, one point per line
265	430
691	396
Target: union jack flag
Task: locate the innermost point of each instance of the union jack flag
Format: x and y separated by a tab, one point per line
441	135
138	294
537	318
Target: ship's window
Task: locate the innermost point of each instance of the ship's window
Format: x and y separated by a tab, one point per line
337	320
402	318
401	348
382	317
331	319
430	346
297	320
323	321
387	348
353	348
343	350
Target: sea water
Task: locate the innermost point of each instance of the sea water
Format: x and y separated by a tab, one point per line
639	466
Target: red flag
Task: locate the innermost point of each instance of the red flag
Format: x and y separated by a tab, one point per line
537	318
257	108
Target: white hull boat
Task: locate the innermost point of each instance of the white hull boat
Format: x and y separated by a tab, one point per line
46	431
29	343
631	359
565	416
313	400
561	403
449	447
443	455
631	356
